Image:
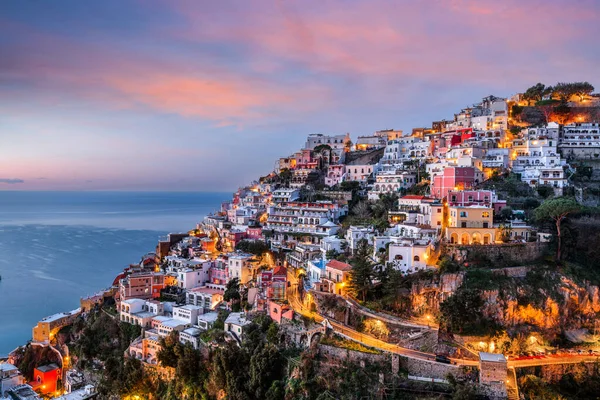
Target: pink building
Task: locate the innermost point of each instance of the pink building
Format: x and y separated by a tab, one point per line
476	197
454	179
278	311
254	232
219	275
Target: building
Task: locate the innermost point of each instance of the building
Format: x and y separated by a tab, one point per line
49	326
206	298
391	182
22	392
470	225
166	326
409	256
191	336
455	178
493	370
45	378
313	219
279	311
580	140
86	393
355	234
187	314
285	195
140	312
359	172
146	348
206	321
141	285
235	324
240	266
539	163
10	377
336	277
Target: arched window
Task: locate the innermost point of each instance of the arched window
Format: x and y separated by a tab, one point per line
398	257
417	258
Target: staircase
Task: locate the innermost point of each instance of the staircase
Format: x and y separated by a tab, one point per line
512	390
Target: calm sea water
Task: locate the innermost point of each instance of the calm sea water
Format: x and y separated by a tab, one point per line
58	246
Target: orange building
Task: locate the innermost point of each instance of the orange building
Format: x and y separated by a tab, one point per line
45	378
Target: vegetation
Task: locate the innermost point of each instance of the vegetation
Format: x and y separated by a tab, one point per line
557	210
256	247
336	341
232	294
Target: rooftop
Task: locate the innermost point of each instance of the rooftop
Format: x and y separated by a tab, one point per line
47	368
338	265
493	357
237	319
208	317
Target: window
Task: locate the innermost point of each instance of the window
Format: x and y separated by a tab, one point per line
486	225
470	198
439	210
398	257
453	198
417	258
485	214
463	224
463	214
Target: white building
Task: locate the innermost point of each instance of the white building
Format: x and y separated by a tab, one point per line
391	182
166	326
317	219
187	314
409	256
360	173
206	321
355	234
140	312
191	336
239	266
581	140
285	195
206	298
10	377
235	324
538	162
336	142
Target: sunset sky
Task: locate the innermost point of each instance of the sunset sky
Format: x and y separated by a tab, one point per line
206	95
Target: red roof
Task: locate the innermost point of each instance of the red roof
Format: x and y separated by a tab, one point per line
414	197
340	266
280	270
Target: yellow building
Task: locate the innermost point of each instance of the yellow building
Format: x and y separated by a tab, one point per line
49	326
471	225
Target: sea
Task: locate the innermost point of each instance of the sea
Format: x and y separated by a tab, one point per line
56	247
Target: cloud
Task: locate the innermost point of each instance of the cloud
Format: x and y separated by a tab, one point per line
11	181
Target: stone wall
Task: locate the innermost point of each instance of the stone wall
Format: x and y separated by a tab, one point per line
414	367
340	354
429	369
498	254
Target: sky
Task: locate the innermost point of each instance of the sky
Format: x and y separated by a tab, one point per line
206	95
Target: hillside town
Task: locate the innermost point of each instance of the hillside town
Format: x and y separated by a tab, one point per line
317	246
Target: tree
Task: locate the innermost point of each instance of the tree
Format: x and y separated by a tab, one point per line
232	294
256	247
557	210
506	213
582	89
285	176
535	93
564	91
361	275
561	114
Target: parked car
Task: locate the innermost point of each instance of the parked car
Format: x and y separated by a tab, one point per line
442	359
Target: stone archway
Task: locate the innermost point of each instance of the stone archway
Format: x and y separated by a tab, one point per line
487	238
454	238
464	239
476	239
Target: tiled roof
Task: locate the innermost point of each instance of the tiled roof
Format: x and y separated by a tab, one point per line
340	266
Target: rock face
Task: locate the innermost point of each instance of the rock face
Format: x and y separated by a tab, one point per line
426	296
566	302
